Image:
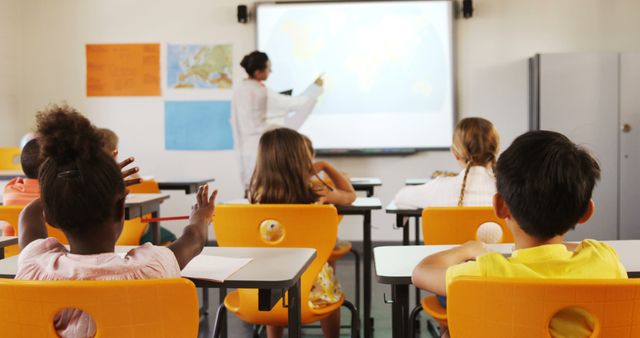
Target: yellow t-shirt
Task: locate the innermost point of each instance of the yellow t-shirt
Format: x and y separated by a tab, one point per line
591	260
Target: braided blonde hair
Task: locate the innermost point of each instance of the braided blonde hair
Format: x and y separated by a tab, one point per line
476	142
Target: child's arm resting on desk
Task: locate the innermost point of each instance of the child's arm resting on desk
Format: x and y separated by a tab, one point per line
430	274
343	194
194	236
31	224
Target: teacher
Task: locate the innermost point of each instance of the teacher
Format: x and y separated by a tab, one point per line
257	109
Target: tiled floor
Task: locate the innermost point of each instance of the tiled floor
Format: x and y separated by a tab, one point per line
381	312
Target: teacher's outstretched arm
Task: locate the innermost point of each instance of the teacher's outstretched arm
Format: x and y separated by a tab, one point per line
295	109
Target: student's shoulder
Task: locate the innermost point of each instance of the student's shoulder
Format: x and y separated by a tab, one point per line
41	246
595	245
154	261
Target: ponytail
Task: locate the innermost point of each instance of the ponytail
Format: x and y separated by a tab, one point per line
464	184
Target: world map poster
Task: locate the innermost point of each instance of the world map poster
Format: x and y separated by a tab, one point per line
199	66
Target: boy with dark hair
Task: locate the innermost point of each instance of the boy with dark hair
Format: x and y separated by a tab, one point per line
544	186
21	191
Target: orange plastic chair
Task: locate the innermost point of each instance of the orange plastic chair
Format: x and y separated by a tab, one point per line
457	225
10	159
504	307
134	229
11	214
131	308
304	226
453	225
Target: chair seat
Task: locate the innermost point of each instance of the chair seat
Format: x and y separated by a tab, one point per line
342	248
432	307
273	317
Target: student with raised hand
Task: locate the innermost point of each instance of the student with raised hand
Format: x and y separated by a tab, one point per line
544	184
83	193
476	143
282	175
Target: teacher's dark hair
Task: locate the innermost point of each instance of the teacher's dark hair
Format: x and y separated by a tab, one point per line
254	62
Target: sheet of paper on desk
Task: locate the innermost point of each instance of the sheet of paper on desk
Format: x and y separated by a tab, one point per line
213	268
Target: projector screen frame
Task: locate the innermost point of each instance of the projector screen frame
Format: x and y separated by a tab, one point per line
404	151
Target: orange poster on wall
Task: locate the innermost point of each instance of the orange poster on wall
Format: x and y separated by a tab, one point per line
123	70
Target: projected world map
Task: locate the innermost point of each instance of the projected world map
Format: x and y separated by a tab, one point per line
376	63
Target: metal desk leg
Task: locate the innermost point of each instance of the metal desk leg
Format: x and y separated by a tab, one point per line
295	311
400	220
366	259
155	229
1	253
223	330
370	192
204	309
399	310
417	242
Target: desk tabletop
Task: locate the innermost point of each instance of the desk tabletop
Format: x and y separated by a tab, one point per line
7	175
271	268
416	181
138	199
5	241
365	181
361	203
185	180
189	185
394	264
391	208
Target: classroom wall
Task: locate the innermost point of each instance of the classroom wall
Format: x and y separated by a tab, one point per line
11	36
491	55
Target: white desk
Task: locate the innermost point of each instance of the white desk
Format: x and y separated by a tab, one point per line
416	181
394	265
271	271
187	184
402	216
366	184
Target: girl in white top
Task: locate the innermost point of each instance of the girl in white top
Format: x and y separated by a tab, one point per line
475	146
257	109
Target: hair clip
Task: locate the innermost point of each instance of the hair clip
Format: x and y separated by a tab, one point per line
75	173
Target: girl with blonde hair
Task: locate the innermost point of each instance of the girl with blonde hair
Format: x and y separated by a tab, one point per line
475	146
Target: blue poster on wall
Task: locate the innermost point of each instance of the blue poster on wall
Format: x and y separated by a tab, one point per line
198	125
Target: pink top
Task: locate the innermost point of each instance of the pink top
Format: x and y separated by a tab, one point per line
47	259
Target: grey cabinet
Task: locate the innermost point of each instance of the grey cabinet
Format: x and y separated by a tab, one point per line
589	97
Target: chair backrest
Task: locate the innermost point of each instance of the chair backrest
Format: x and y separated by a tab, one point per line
147	186
10	159
301	226
132	308
134	229
456	225
11	214
504	307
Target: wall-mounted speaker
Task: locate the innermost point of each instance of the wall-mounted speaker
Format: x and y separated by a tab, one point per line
243	14
467	8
